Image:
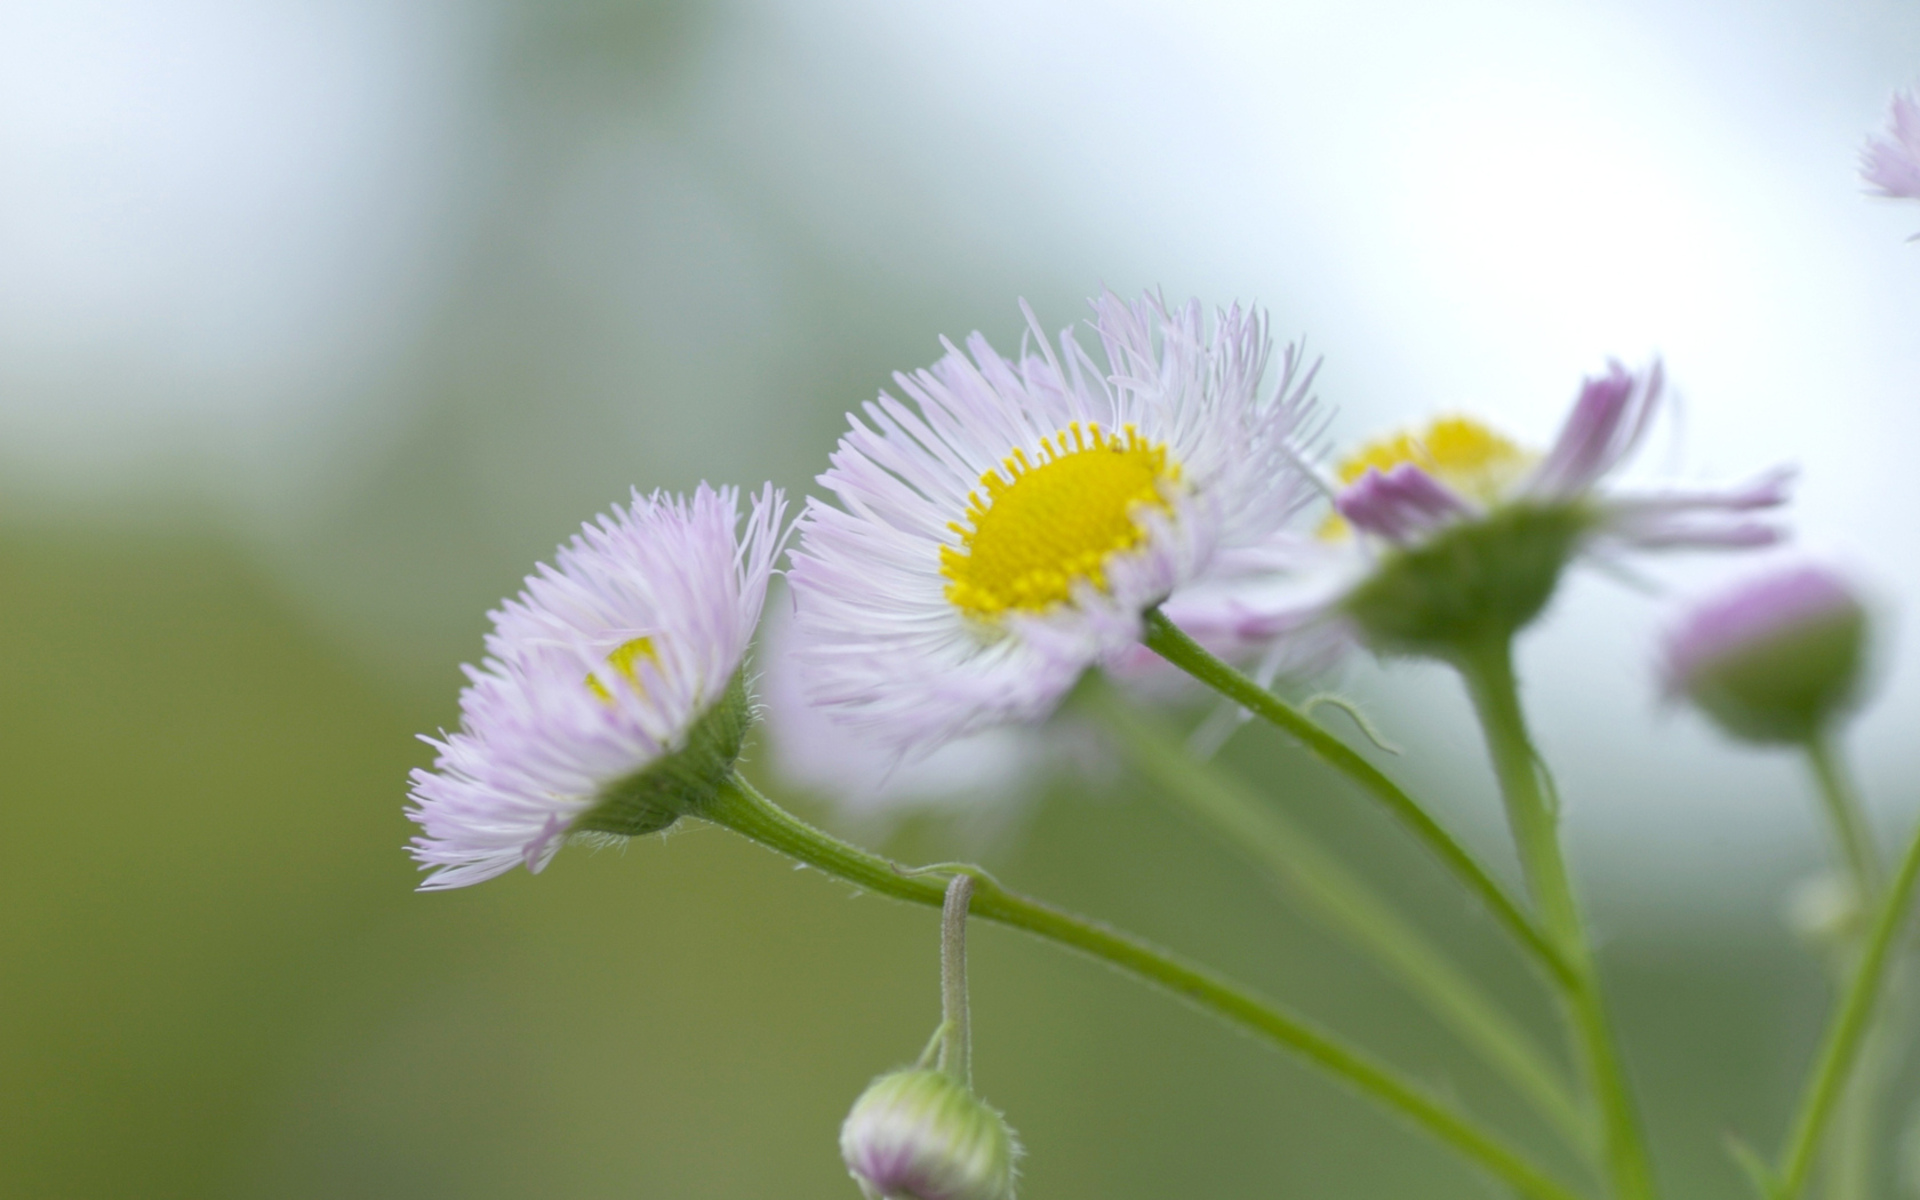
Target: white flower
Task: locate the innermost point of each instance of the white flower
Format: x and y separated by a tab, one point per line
1404	488
1463	534
610	693
1008	528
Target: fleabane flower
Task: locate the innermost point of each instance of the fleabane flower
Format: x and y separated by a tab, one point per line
1774	659
611	698
1462	534
1008	524
1892	164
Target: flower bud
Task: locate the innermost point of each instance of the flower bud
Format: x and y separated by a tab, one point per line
921	1134
1773	660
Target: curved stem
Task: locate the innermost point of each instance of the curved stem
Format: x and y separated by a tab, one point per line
956	1042
1841	1048
1166	639
1844	813
1313	877
1488	671
743	809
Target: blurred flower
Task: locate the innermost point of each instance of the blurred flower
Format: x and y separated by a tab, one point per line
1010	529
1774	659
921	1134
1893	164
610	699
1459	533
983	777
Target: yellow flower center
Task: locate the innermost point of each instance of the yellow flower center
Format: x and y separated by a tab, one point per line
1035	528
625	661
1458	451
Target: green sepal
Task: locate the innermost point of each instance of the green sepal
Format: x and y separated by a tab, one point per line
682	782
1471	584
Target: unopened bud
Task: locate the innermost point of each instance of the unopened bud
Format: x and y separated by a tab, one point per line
921	1134
1775	659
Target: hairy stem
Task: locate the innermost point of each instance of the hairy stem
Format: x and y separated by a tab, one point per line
1840	1049
1314	878
1488	672
743	809
956	1043
1844	813
1166	639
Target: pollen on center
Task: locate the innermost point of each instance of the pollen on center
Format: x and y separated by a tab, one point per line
625	661
1460	452
1039	524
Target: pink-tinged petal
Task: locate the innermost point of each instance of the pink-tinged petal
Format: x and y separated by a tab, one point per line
1401	504
1704	518
1607	423
1892	164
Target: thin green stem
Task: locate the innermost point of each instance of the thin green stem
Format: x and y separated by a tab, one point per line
1840	1050
1488	672
743	809
956	1045
1844	813
1166	639
1321	883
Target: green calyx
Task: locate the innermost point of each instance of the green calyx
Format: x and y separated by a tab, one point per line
1788	687
1472	584
682	782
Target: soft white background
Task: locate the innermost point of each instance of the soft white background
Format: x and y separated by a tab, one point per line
247	250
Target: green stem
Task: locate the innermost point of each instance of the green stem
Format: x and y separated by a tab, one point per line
1166	639
1488	671
1844	813
956	1042
1313	877
743	809
1841	1047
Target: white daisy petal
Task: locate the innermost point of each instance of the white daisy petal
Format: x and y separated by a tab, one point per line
604	665
1006	525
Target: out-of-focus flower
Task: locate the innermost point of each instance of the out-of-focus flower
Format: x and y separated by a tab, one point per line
1459	534
983	777
1775	659
1009	528
921	1134
1892	163
610	700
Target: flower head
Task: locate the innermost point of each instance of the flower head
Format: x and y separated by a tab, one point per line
610	700
921	1134
1464	533
1892	164
1008	528
1774	659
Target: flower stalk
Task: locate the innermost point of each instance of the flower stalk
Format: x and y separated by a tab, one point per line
1841	1049
1311	876
956	1029
742	808
1166	639
1488	671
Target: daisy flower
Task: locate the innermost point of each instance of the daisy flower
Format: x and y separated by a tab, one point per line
1459	532
610	700
1008	524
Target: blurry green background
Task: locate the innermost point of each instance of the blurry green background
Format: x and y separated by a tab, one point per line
319	324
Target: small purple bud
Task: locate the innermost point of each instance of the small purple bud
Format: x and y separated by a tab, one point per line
921	1134
1773	660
